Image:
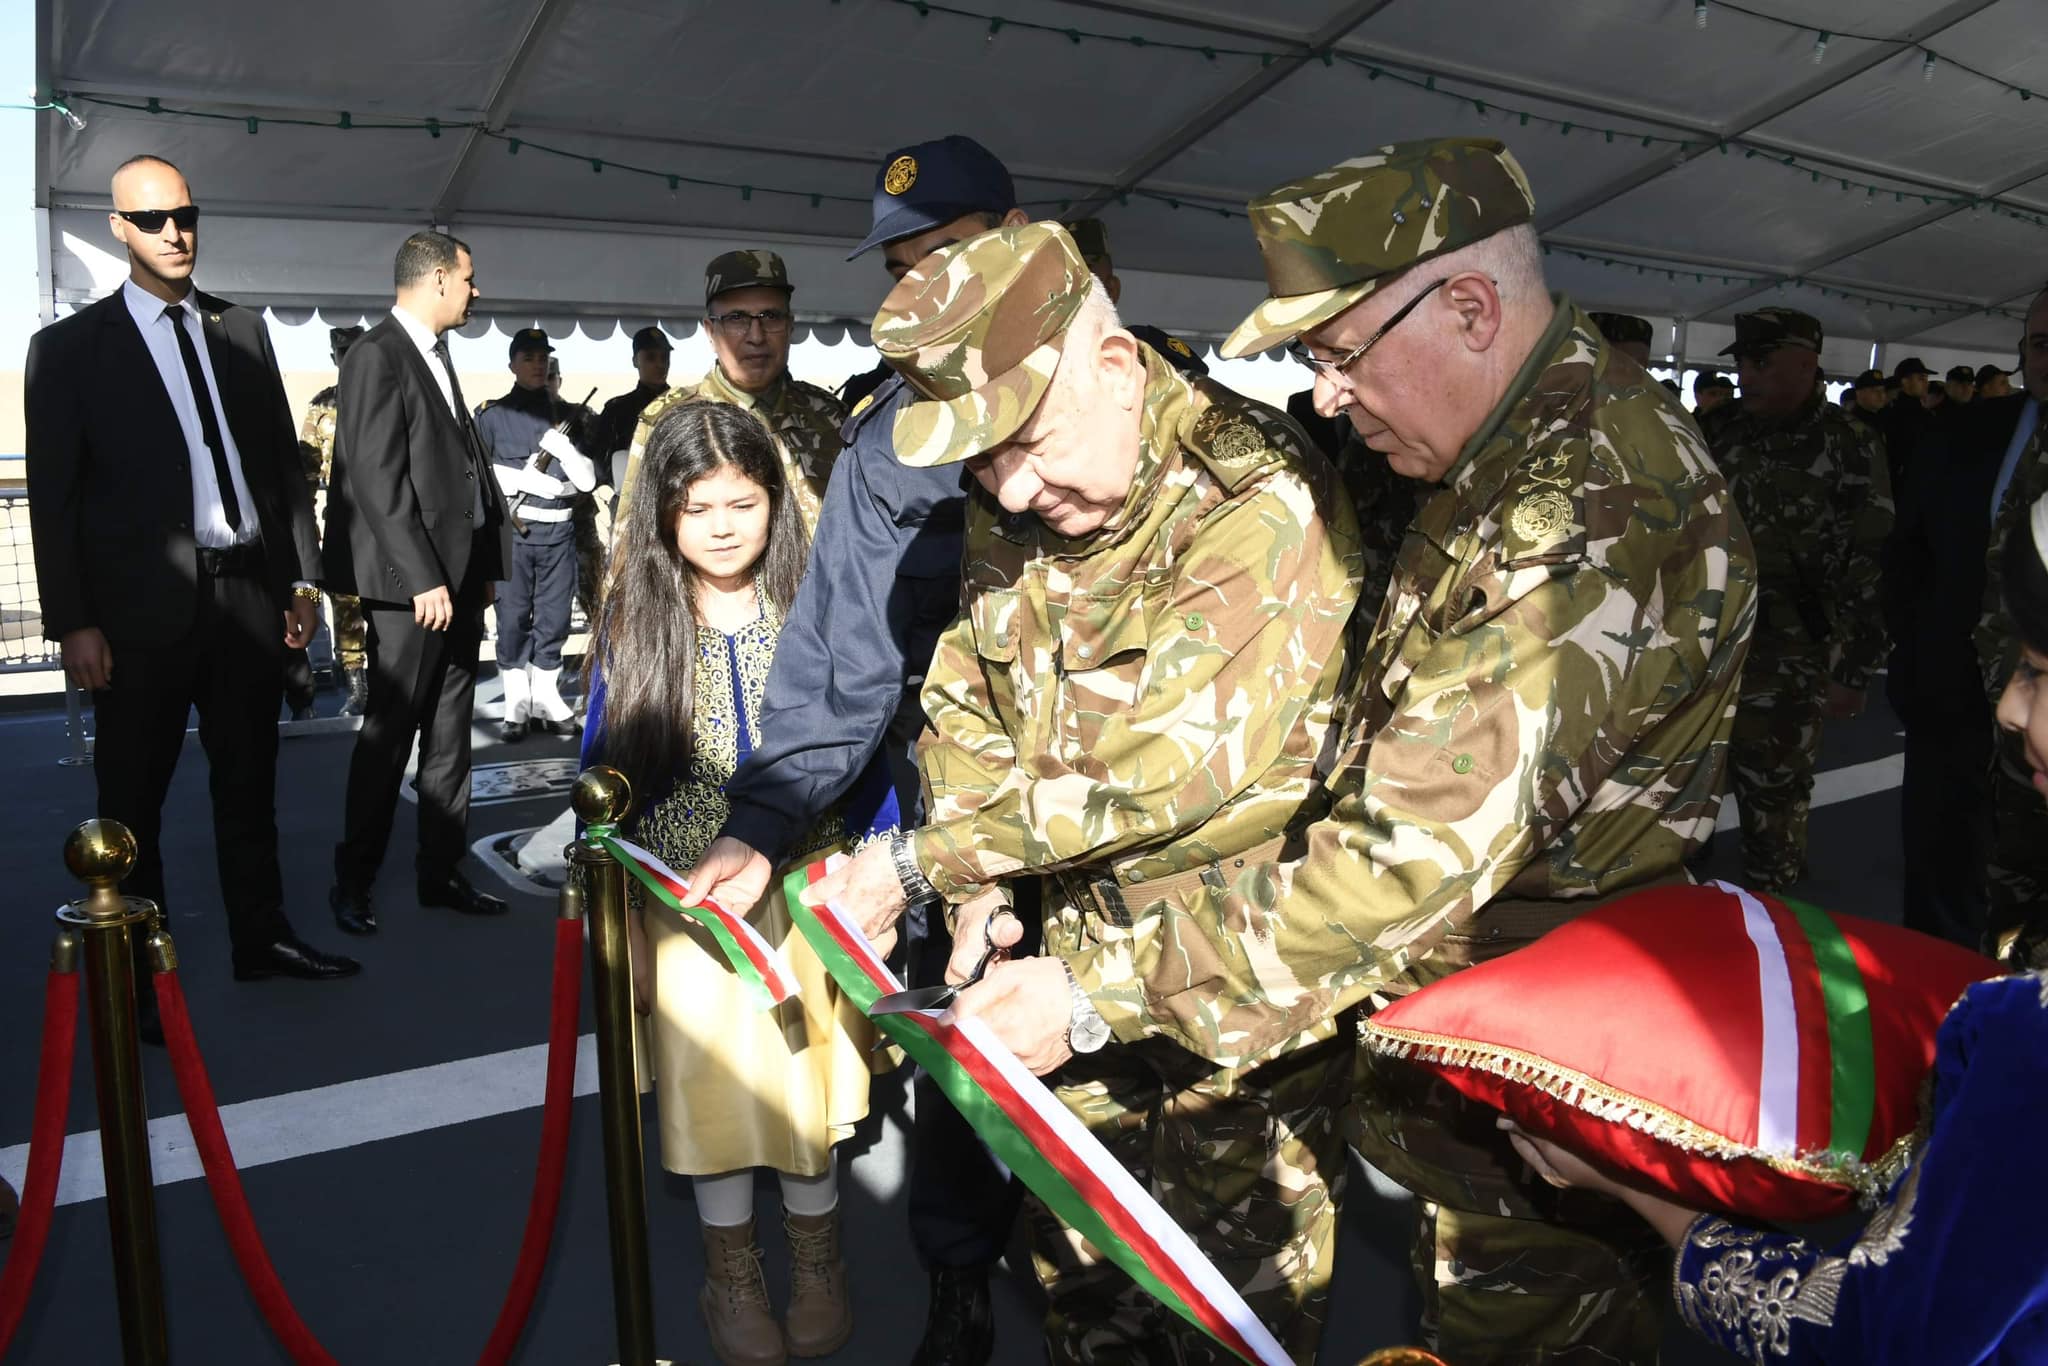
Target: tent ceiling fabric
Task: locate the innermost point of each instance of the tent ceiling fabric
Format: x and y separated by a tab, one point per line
1642	209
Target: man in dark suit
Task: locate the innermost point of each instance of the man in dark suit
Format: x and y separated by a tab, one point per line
416	528
175	549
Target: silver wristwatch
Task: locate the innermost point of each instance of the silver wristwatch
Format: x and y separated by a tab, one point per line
917	888
1087	1031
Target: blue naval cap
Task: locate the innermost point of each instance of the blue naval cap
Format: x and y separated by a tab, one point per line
929	184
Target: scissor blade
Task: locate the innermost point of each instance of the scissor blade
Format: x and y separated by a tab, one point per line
917	998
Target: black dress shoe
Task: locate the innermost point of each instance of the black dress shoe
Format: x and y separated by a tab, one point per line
293	957
959	1328
352	911
565	728
454	892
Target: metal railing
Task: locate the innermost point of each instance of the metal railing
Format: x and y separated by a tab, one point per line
21	610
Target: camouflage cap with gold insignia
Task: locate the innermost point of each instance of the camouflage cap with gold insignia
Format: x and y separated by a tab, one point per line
1334	238
1767	329
975	330
745	270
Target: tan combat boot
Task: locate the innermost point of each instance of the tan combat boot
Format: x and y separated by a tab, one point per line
820	1317
734	1300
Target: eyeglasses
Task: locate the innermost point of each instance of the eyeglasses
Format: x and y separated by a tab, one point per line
1335	368
774	323
186	216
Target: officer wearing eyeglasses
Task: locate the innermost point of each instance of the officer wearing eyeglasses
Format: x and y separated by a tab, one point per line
746	314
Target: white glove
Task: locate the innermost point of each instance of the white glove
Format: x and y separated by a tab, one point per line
517	479
576	466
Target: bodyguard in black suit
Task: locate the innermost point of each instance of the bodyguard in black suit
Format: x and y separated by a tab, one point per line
417	529
174	547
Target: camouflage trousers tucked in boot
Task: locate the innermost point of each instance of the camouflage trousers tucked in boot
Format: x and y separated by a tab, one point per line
1512	1271
1772	754
1251	1163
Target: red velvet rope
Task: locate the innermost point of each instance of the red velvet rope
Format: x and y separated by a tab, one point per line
45	1150
554	1146
232	1203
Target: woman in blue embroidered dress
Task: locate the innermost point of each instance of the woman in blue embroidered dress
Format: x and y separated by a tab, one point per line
704	568
1952	1269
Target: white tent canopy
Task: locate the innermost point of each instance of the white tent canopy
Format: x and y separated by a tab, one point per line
1882	164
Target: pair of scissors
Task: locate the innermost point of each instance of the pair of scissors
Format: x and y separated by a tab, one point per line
939	997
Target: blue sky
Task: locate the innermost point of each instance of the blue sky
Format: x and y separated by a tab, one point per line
17	181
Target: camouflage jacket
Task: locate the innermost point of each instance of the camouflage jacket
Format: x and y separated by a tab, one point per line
316	440
1998	648
1132	710
1815	492
1543	706
803	418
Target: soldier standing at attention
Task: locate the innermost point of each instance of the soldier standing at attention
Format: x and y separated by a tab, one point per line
540	587
316	451
746	306
1542	709
620	417
1814	489
1627	334
1160	577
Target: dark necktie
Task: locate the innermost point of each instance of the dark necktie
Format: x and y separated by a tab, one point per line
479	467
209	421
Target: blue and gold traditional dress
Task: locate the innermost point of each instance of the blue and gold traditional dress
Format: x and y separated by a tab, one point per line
738	1086
1953	1267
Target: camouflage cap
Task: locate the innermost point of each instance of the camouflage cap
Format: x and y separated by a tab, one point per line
1767	329
976	330
1622	328
1334	238
745	270
1091	237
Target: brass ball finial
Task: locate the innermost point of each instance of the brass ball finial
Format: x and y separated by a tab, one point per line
601	796
1402	1356
100	853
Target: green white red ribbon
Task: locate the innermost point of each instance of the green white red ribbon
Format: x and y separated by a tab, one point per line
766	976
1038	1138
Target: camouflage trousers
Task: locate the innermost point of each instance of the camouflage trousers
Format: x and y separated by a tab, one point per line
1250	1163
1772	754
1512	1271
348	630
2016	883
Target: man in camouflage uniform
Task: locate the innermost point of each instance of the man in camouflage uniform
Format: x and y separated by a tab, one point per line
2017	880
746	303
1542	706
1158	585
316	450
1627	334
1814	489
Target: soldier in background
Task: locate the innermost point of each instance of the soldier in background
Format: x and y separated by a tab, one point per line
1993	382
612	438
1710	390
581	429
1519	748
1628	334
1813	487
316	451
1868	399
534	599
747	317
1184	561
1960	386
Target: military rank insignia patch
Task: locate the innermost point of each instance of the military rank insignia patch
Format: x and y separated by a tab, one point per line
1236	441
1179	347
1540	517
901	175
866	401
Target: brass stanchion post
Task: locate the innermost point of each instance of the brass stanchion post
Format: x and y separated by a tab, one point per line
601	798
100	854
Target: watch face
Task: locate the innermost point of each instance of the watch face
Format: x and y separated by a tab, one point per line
1089	1035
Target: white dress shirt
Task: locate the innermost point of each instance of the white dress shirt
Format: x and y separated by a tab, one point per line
423	337
209	518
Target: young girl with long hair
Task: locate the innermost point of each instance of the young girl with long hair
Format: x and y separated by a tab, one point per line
703	570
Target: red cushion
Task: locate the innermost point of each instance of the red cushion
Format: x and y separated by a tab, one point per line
1637	1035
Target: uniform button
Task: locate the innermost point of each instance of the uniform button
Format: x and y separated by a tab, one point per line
469	475
1462	764
1194	621
1085	651
467	516
1137	875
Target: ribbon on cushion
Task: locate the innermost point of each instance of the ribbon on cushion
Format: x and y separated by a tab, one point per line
1038	1138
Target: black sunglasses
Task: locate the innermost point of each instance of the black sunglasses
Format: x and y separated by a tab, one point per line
186	216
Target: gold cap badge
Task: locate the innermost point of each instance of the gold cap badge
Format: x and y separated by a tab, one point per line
901	175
